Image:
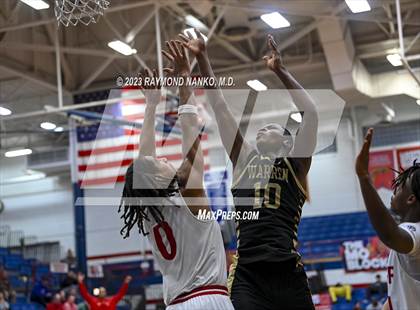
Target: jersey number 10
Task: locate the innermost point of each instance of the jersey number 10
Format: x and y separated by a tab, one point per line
269	195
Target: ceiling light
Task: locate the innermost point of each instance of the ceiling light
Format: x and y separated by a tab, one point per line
48	126
297	117
37	4
16	153
394	59
192	32
256	85
195	22
357	6
389	110
122	47
4	111
275	20
59	129
418	101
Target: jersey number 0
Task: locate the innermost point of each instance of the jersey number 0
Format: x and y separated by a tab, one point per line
168	255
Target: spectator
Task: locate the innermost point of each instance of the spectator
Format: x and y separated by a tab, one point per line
357	306
340	290
377	287
4	305
70	259
55	303
69	280
374	305
70	303
8	293
62	294
102	302
41	293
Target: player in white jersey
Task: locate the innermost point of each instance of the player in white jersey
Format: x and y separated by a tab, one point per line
189	251
403	239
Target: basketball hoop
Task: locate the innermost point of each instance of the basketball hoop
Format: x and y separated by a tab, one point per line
71	12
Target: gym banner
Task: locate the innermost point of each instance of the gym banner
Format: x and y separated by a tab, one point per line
380	168
406	156
365	255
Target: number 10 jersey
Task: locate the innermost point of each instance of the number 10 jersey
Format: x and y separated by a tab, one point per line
269	186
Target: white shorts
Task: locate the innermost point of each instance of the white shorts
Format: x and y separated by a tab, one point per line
205	302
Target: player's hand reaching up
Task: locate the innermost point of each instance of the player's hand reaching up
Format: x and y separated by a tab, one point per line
362	160
151	87
273	61
196	46
177	55
128	279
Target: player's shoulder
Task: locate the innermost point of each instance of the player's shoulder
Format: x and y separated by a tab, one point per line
413	229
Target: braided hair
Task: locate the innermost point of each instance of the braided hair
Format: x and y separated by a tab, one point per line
412	172
132	207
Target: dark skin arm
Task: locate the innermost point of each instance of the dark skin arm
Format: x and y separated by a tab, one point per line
305	141
237	148
385	226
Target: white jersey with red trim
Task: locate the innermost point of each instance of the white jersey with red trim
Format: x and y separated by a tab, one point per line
404	274
189	253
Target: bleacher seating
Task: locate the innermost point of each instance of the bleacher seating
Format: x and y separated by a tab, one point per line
341	226
322	236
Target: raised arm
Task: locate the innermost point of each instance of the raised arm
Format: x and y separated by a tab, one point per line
83	290
190	173
122	291
385	226
152	95
236	147
305	141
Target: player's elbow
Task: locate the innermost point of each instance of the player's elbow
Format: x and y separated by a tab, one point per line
395	242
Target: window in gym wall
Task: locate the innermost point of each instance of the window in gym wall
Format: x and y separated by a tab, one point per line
400	133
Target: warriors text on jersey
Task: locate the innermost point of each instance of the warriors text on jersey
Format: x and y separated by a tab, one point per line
189	253
271	187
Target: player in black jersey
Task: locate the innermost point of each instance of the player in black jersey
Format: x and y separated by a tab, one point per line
267	273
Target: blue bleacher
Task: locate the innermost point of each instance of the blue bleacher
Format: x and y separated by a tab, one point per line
13	261
321	236
25	306
335	227
3	251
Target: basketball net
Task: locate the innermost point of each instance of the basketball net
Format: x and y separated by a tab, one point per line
71	12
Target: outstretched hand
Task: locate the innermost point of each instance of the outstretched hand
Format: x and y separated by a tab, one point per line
177	55
80	277
273	60
362	160
196	46
151	88
128	279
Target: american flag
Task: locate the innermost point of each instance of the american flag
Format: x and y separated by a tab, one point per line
106	149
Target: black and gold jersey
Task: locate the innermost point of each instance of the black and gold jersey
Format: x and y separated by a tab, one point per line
271	187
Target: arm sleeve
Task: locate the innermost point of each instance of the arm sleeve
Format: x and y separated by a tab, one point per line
117	297
413	229
85	294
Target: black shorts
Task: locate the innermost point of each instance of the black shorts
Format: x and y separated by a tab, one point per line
270	286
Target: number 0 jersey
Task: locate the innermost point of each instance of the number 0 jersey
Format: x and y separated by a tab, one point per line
271	187
188	251
404	273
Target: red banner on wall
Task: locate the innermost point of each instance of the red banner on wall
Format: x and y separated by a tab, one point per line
380	168
406	156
